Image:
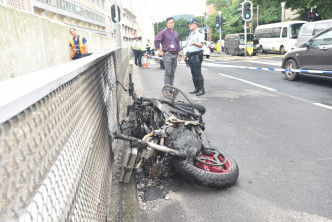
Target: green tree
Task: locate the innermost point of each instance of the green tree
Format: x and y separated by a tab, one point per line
231	13
322	7
181	26
270	14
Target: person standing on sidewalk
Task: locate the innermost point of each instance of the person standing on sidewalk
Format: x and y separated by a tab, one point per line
133	47
195	56
140	49
170	49
148	47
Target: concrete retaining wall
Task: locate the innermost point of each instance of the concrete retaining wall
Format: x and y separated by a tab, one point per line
29	42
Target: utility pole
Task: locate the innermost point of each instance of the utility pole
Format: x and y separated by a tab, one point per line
219	14
257	14
283	11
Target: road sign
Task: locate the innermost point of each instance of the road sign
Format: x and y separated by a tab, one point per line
220	31
250	47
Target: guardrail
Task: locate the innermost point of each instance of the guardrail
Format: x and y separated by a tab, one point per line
55	152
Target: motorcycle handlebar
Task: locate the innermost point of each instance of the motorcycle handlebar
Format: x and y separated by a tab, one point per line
165	149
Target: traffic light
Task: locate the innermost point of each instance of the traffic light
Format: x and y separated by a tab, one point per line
247	11
217	21
311	16
220	21
113	14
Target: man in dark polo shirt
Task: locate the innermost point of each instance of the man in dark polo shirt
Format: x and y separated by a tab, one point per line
170	49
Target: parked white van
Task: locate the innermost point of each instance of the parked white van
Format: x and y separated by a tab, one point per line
278	37
308	30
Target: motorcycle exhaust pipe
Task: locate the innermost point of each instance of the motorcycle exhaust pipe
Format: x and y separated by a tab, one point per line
165	149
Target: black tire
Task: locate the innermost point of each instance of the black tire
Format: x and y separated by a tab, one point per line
192	172
260	49
282	50
207	56
291	64
200	108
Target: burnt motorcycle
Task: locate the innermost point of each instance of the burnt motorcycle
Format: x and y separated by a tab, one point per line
160	130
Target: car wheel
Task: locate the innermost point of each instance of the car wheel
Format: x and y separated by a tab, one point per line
282	50
260	49
292	76
207	56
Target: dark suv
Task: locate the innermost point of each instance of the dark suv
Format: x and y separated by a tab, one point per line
315	54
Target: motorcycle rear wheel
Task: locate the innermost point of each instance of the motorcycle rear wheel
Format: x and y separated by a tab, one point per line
206	174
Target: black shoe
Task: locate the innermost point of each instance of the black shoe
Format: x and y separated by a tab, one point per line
201	87
195	81
200	92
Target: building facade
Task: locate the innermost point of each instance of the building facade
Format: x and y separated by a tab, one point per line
90	15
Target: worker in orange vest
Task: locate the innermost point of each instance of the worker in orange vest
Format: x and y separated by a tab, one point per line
77	44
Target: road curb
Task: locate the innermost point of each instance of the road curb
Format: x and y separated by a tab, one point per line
124	203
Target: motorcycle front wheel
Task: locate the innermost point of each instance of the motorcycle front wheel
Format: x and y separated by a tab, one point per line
204	171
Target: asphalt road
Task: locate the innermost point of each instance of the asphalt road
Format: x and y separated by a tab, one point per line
279	132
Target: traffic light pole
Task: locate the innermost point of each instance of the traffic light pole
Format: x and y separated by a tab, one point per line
245	39
220	39
117	27
219	21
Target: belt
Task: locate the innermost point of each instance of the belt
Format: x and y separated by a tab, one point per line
173	53
193	53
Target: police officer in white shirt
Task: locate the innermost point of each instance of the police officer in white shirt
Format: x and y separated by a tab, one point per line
195	56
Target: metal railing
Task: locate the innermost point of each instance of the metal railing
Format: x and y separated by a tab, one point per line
55	153
73	8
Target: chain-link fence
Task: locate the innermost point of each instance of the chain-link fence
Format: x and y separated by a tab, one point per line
55	156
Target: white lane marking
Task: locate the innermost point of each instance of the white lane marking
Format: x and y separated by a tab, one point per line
271	89
204	69
251	83
265	63
323	105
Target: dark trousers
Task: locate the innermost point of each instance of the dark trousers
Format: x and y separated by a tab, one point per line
139	57
195	66
136	56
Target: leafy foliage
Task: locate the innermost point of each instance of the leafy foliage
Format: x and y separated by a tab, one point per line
269	12
270	15
181	26
322	7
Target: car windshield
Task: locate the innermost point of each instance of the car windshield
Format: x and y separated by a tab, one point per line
323	39
294	30
250	37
